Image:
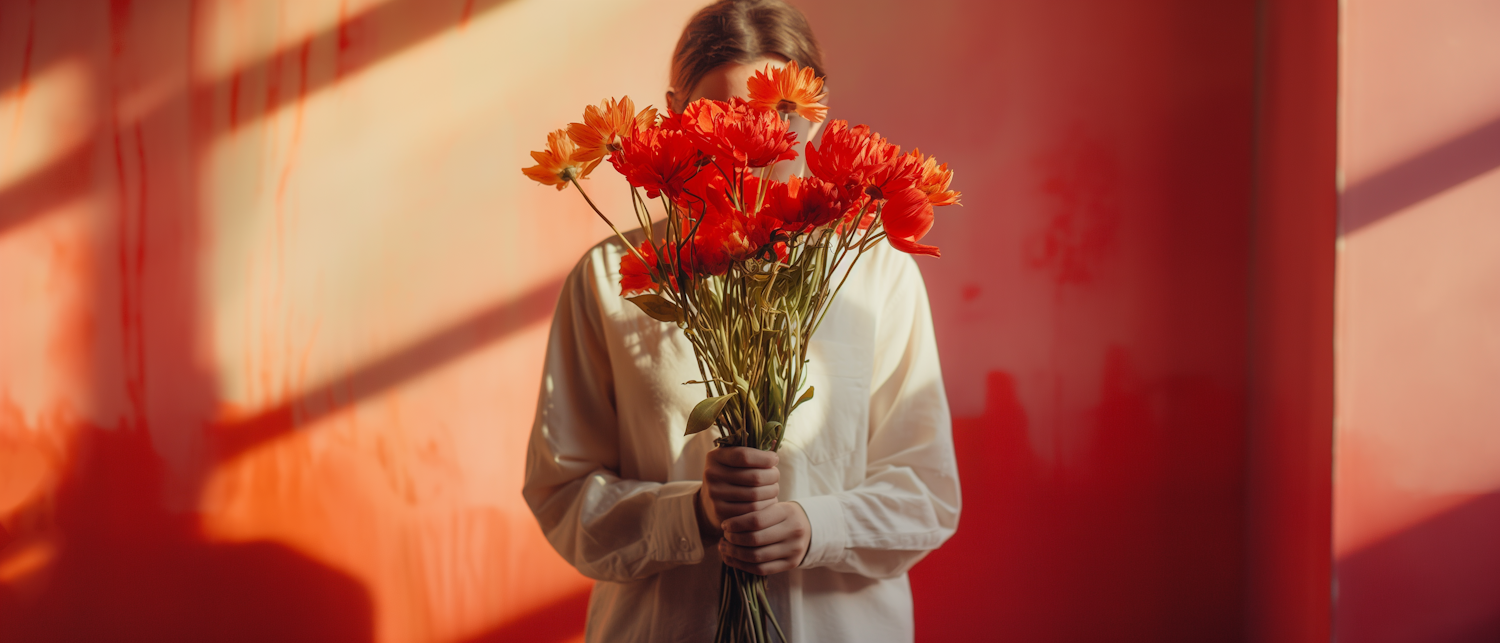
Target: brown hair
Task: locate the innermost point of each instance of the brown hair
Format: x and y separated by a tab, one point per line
741	31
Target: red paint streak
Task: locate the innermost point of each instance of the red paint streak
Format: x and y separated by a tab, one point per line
345	37
26	53
303	59
22	85
463	20
131	257
234	101
273	82
119	24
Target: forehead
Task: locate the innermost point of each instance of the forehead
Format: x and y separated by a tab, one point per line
728	80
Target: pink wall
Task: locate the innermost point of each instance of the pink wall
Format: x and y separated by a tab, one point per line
1417	500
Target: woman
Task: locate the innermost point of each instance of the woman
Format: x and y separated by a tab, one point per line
864	486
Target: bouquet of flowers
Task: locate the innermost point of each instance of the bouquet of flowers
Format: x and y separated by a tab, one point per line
746	265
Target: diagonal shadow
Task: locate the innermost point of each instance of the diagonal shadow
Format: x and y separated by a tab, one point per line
234	438
361	41
1438	580
1423	176
67	177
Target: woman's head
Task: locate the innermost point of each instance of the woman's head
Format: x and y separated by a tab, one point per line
727	41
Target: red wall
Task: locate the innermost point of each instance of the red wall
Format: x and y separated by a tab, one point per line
1091	302
1289	445
273	298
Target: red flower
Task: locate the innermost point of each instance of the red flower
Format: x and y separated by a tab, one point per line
907	216
721	232
635	276
735	132
804	204
854	159
658	160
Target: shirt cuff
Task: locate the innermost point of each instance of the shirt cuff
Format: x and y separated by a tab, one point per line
830	538
675	534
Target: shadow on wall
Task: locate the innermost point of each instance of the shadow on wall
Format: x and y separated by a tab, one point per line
361	40
1159	536
107	560
126	569
1423	176
1434	581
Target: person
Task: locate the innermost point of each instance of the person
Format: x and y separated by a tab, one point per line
863	487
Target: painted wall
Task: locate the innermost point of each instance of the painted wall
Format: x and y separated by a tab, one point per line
1417	492
1091	302
273	297
274	300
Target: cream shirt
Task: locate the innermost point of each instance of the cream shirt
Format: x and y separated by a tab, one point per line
610	477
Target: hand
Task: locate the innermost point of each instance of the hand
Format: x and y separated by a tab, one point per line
736	481
767	542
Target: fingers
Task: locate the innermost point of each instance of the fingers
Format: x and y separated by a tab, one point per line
738	481
716	471
736	493
783	531
771	559
757	521
743	457
723	511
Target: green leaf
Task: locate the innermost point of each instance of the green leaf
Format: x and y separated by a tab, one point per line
706	412
806	395
657	307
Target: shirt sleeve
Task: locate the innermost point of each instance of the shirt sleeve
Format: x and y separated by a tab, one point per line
908	503
609	528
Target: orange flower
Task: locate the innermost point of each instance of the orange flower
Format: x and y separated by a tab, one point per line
603	125
789	89
934	180
558	164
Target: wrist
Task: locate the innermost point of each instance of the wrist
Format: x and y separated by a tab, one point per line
706	530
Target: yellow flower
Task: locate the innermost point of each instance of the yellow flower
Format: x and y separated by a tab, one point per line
559	163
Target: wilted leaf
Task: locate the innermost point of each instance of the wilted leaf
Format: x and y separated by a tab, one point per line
706	412
657	307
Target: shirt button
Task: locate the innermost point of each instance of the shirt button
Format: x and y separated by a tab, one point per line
683	544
